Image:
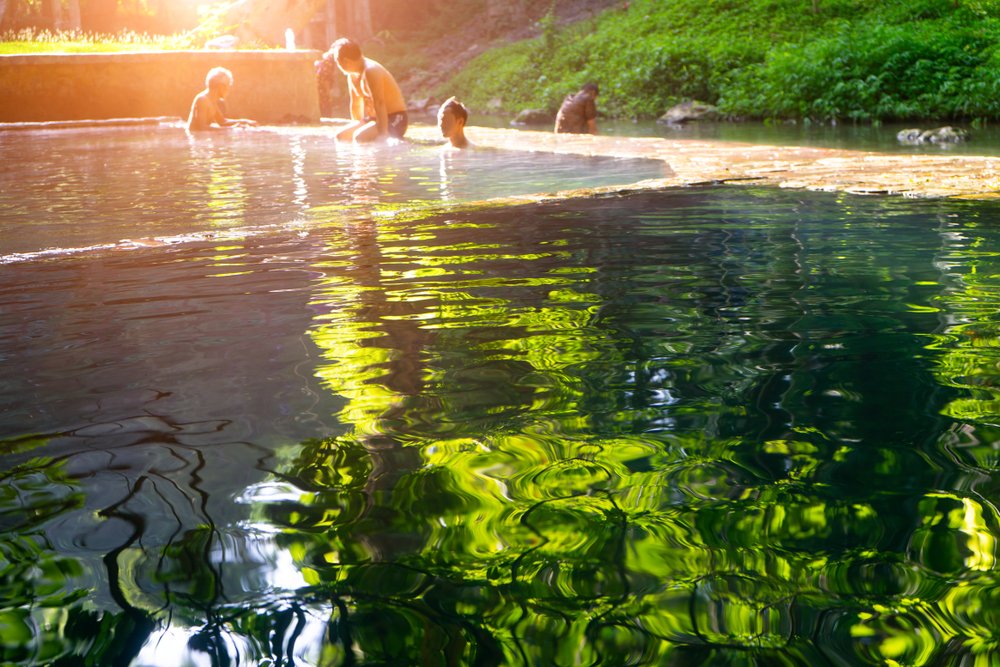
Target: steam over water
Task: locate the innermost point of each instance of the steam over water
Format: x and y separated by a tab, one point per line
315	421
87	190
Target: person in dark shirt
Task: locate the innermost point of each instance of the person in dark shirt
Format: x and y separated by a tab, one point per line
578	113
326	75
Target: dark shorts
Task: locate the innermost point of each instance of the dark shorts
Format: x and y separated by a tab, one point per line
398	122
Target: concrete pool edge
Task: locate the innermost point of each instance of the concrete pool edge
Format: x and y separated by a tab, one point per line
88	124
686	163
699	162
691	162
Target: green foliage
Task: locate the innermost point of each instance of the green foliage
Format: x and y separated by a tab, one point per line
828	59
943	68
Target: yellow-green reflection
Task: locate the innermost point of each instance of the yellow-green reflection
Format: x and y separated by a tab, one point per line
480	452
610	437
532	473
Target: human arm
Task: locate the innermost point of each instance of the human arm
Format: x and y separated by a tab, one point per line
240	122
216	115
357	100
375	80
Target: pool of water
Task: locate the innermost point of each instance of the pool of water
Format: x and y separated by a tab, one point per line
80	189
704	426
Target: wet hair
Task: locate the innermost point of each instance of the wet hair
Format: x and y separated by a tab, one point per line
345	48
456	108
591	87
218	75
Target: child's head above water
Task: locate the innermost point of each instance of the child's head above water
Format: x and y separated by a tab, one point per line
219	79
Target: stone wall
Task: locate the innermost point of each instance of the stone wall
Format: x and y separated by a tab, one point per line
270	86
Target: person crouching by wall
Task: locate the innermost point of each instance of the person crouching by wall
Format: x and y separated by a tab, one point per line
378	110
208	109
578	113
326	71
451	117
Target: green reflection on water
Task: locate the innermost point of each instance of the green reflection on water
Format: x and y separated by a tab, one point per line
508	499
674	437
44	611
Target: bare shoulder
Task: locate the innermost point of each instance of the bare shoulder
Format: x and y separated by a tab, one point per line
376	70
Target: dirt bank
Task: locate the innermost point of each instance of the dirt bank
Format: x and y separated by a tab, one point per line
448	53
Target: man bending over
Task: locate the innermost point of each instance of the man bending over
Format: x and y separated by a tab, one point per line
378	110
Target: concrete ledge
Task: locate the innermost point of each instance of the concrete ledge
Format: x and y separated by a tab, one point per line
75	124
698	162
271	86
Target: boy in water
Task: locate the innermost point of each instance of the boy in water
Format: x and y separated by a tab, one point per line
452	117
209	105
378	110
578	113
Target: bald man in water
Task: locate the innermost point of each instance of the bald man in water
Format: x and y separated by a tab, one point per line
207	107
378	110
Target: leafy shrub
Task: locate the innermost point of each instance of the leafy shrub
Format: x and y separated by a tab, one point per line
874	72
819	59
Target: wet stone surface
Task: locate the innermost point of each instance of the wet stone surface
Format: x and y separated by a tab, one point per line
694	162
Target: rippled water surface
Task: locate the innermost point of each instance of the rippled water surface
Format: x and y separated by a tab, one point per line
706	426
76	189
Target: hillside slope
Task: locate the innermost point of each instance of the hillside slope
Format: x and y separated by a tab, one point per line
814	59
426	59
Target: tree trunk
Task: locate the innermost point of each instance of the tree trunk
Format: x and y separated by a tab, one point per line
266	20
331	22
361	25
99	16
164	15
12	16
51	15
72	15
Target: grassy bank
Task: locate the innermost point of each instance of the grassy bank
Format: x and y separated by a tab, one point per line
858	60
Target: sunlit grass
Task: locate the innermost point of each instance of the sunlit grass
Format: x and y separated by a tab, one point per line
29	41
